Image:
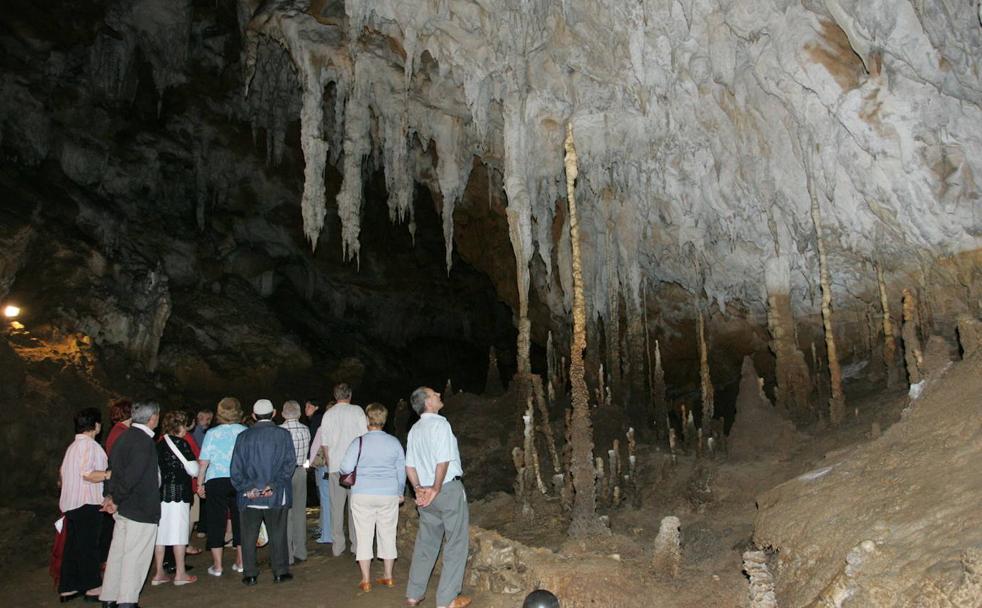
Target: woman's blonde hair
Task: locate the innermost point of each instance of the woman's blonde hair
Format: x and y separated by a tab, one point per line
229	411
377	414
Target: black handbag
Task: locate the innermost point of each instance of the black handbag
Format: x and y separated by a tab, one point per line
348	480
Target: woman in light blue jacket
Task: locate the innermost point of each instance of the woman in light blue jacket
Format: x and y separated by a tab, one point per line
380	481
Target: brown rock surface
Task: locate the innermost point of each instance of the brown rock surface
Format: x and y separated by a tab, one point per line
895	522
758	428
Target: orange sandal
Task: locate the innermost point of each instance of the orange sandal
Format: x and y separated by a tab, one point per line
365	586
385	582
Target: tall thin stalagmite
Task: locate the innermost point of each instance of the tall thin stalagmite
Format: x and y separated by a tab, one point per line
837	401
705	381
659	395
889	339
913	353
584	519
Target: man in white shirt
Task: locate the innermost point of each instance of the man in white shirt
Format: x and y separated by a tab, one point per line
434	470
342	424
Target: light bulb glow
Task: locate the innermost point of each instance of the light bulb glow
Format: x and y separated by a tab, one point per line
11	311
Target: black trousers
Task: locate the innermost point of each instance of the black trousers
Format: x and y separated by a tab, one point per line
221	502
279	550
82	558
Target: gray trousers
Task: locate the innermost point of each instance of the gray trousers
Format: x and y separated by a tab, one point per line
340	506
297	517
446	518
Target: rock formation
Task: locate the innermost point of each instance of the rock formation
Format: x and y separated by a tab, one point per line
667	550
758	429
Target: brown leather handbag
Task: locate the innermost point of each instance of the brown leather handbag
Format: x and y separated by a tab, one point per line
348	480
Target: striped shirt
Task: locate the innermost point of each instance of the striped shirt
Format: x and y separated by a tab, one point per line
82	457
301	439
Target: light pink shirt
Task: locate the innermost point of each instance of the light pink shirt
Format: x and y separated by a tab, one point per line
81	458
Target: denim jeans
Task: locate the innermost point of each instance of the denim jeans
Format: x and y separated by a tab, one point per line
325	500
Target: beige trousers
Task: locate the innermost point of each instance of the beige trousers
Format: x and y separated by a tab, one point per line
128	561
339	496
376	516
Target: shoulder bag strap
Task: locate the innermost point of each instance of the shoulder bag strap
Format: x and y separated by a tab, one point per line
177	452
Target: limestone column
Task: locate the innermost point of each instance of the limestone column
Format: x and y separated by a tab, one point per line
791	371
913	353
584	519
837	401
889	340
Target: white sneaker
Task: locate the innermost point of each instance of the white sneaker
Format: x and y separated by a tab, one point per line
213	572
237	567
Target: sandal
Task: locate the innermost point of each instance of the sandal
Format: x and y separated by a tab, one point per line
190	579
411	602
193	551
385	582
160	581
365	586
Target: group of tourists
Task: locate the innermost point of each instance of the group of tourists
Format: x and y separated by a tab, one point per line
137	497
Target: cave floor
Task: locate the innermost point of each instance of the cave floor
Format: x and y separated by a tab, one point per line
715	500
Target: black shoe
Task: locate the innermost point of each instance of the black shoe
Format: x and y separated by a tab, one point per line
108	604
282	578
91	598
249	580
67	598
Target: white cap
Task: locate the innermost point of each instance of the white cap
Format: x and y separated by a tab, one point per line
263	407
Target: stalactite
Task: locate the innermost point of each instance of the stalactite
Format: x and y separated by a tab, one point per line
837	400
889	340
705	381
584	520
357	145
611	322
633	360
313	203
913	353
659	395
519	214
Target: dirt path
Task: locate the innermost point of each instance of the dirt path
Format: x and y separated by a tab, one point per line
323	581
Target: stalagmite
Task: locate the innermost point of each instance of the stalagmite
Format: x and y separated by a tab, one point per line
601	480
672	445
532	471
546	426
492	386
521	484
584	520
761	582
837	400
889	340
791	371
631	479
705	381
448	389
668	547
913	353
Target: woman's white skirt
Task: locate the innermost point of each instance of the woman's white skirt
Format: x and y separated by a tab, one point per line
175	524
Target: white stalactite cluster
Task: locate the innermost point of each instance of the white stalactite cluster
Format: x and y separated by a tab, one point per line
695	117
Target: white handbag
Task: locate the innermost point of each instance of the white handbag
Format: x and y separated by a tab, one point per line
190	466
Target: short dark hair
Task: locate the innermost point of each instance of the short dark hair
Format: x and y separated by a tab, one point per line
313	402
86	419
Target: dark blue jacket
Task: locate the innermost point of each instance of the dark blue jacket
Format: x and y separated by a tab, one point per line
264	456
